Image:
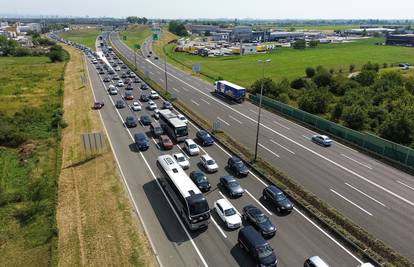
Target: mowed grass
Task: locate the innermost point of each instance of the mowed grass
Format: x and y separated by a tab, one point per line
86	36
290	63
27	82
136	34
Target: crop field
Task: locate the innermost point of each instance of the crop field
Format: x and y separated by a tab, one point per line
290	63
85	36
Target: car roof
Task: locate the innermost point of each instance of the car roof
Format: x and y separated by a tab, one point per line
253	235
140	135
228	178
189	141
224	203
274	189
318	261
206	157
177	155
235	158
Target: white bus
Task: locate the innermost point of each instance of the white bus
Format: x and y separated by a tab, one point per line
173	126
188	200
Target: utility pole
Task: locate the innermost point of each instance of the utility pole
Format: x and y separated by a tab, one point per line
165	71
135	57
263	62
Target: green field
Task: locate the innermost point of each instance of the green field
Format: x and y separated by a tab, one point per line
86	37
135	34
299	27
290	63
30	110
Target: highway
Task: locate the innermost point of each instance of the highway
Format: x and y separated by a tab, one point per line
297	237
371	193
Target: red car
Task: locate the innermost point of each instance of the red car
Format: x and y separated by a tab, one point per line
129	95
166	142
98	104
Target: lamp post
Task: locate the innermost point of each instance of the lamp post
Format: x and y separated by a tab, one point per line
165	71
263	62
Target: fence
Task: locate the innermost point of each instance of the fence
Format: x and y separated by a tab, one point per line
398	153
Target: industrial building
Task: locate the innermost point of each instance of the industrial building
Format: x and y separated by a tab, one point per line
276	36
400	39
368	31
202	29
241	34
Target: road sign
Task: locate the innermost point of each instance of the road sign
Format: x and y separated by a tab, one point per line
216	125
196	67
92	142
137	46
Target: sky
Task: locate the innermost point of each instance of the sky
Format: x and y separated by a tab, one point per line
261	9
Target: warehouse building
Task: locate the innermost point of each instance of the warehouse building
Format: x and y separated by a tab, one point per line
276	36
202	29
241	34
400	39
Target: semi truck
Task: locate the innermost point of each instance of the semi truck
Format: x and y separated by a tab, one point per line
230	90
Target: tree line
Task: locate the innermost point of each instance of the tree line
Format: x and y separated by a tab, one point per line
381	103
177	27
138	20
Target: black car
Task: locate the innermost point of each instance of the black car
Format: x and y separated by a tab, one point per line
101	72
128	72
200	180
231	185
276	196
106	79
145	120
115	78
131	121
144	86
141	141
167	105
155	57
119	103
136	80
123	76
111	71
123	67
259	220
144	98
237	166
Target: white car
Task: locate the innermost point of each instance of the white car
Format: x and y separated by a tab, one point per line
154	95
182	118
182	160
208	163
156	113
136	106
152	105
112	90
191	147
227	213
120	84
118	68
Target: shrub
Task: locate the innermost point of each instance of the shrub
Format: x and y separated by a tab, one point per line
298	83
310	72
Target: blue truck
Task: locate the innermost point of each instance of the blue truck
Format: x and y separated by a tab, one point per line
230	90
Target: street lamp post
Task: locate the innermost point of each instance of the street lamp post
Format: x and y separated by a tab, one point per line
263	62
165	71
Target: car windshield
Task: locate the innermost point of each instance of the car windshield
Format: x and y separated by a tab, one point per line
238	164
210	162
234	184
201	178
280	197
229	212
192	146
180	159
264	251
261	218
181	131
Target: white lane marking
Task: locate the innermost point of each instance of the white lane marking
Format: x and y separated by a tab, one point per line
185	154
327	235
231	117
406	185
123	176
195	103
225	122
268	150
255	112
155	142
258	202
302	146
307	138
175	89
208	103
281	125
360	163
230	202
162	190
356	205
185	89
365	194
274	142
218	227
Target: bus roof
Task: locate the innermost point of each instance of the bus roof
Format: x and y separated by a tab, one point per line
178	176
235	86
177	122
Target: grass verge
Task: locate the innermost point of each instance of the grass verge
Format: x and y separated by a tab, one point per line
85	36
135	34
95	219
354	237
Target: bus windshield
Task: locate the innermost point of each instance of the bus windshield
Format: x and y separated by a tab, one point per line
181	131
198	207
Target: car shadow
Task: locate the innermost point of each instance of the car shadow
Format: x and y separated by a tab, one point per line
242	258
223	98
165	215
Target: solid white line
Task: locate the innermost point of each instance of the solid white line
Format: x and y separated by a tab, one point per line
360	163
359	207
365	194
218	227
162	190
185	89
281	125
274	142
255	112
327	235
268	150
208	103
175	89
258	202
155	142
231	117
225	122
195	103
230	202
306	137
302	146
185	154
406	185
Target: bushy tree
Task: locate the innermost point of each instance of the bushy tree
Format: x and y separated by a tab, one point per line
7	47
313	43
299	44
56	54
310	72
322	77
366	77
354	117
177	27
315	100
399	126
298	83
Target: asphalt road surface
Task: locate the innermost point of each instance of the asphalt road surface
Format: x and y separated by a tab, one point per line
373	194
297	237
